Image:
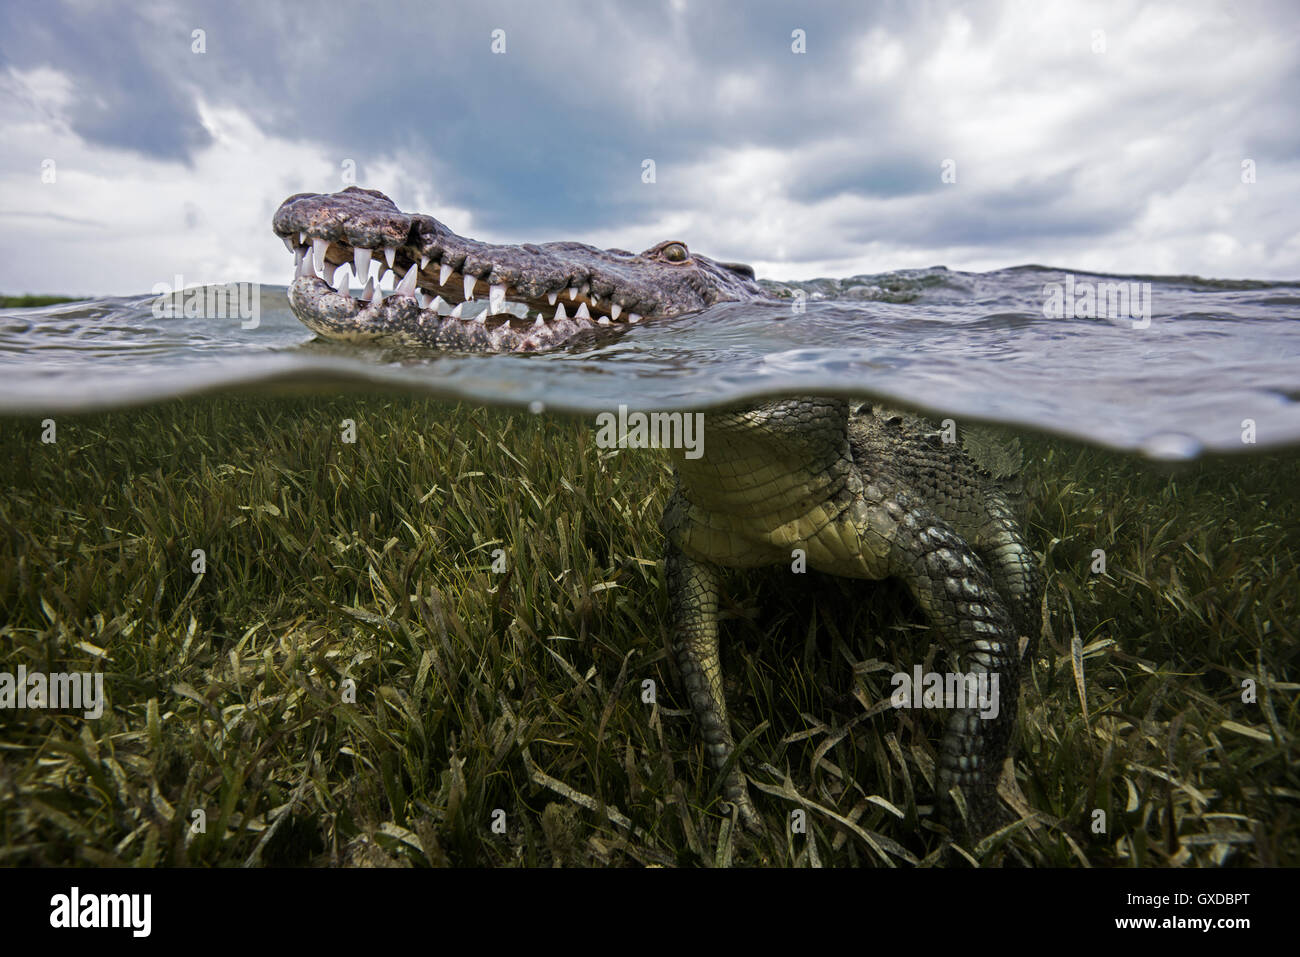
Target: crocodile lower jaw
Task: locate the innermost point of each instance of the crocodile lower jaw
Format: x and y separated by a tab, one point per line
418	310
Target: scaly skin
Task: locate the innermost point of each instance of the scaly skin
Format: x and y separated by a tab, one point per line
539	295
873	496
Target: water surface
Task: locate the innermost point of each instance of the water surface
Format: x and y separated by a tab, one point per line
1210	366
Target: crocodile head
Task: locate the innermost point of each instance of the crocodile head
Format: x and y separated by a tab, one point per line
538	296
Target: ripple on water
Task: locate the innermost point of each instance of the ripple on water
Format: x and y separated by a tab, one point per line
967	345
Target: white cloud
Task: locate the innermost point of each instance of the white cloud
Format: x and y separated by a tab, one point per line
1122	155
115	223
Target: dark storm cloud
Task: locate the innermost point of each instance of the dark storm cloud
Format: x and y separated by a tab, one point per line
130	96
541	135
773	156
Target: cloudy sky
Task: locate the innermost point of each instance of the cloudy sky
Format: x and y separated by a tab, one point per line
1107	137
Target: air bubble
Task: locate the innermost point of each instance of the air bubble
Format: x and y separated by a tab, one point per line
1172	447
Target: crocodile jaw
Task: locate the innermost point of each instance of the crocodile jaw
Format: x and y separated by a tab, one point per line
538	296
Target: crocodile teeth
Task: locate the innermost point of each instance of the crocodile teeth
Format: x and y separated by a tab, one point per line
360	262
444	274
424	261
302	239
456	312
318	247
539	322
437	303
422	301
297	258
573	293
497	297
586	288
390	253
481	317
633	317
304	268
469	287
614	310
603	320
560	313
343	289
288	243
551	297
582	312
407	286
327	273
369	292
379	296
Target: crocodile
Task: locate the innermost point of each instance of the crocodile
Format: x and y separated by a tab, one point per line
871	493
539	296
859	491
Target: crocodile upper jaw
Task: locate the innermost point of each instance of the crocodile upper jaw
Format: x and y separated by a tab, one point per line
539	296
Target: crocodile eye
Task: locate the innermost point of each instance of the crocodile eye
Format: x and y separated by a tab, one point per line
676	253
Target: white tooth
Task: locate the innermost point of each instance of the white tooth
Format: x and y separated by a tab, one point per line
379	296
559	312
595	299
456	312
407	286
437	303
328	272
481	317
288	243
369	292
302	239
469	287
360	263
497	297
586	288
633	317
551	297
390	252
318	247
424	261
582	312
539	322
344	291
444	274
297	258
304	269
573	293
614	310
603	321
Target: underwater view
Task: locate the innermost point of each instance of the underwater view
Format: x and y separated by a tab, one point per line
357	604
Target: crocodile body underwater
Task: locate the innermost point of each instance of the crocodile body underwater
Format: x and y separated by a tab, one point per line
861	492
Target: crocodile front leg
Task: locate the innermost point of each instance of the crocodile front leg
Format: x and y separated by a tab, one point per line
693	597
1016	577
951	585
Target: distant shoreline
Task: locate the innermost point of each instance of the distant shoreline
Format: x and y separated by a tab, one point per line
17	302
